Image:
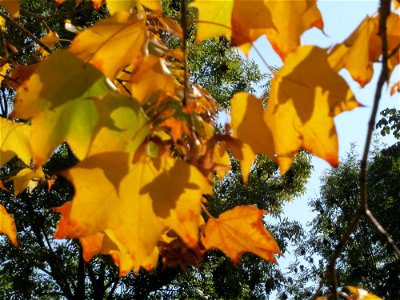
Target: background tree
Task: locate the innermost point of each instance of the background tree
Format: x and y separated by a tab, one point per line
366	260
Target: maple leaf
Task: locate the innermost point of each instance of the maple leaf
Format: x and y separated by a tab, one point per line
96	44
11	6
214	18
59	100
393	41
395	88
359	293
291	19
238	231
27	178
14	140
353	53
249	22
248	126
3	71
149	77
282	21
122	125
363	47
7	225
118	5
50	40
305	96
134	201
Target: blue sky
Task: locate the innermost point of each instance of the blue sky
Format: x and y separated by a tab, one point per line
340	19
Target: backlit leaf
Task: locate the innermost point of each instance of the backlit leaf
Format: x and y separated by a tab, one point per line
238	231
122	125
305	96
250	20
282	21
11	6
27	178
291	19
96	44
214	18
118	5
358	53
248	125
59	100
14	140
359	293
135	201
7	225
3	71
149	77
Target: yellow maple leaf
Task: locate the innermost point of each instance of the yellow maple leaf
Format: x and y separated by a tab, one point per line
291	19
118	5
393	41
214	18
3	24
7	225
3	71
238	231
14	140
282	21
305	95
149	77
50	40
353	54
359	293
248	125
11	6
249	22
122	125
96	44
59	100
135	201
363	47
27	178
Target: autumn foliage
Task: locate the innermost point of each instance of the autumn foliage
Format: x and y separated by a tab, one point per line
144	134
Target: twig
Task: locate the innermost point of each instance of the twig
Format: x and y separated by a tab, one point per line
383	232
384	12
26	32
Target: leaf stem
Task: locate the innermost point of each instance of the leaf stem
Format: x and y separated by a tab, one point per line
206	211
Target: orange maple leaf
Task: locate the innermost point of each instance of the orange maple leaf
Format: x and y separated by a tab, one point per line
7	225
240	230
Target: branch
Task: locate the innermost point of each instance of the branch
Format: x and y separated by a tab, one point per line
384	11
26	32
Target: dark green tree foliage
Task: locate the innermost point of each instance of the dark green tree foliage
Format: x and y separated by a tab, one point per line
390	122
366	260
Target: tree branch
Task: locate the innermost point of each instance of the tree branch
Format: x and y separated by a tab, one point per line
26	32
